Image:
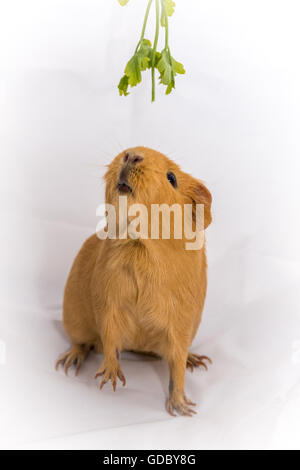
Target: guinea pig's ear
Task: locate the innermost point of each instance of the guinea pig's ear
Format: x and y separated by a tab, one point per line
201	195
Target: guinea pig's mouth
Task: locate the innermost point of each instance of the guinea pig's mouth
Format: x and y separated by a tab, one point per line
129	162
124	187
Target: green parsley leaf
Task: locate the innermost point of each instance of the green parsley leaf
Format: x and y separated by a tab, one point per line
178	67
169	8
123	86
140	61
168	69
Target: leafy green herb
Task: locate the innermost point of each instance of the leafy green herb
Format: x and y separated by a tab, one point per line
168	69
169	10
138	63
123	86
146	56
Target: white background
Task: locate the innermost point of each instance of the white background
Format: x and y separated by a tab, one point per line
233	121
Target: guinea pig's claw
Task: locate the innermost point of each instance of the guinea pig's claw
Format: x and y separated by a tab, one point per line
103	383
61	361
111	374
74	357
195	360
101	372
188	401
122	377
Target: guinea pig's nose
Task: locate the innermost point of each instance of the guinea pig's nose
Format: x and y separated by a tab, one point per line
132	160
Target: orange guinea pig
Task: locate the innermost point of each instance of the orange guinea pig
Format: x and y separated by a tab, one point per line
140	294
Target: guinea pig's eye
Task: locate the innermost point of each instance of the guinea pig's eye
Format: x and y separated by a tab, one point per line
172	179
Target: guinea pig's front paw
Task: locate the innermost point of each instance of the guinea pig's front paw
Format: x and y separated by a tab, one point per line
73	357
180	404
110	370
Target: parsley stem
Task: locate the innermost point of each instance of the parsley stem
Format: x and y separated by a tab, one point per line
146	19
144	25
163	6
154	49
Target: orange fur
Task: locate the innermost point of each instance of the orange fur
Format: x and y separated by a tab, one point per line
141	295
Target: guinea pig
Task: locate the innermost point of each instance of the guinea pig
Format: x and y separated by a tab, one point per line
140	294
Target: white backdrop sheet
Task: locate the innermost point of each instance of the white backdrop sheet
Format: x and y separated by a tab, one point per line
233	121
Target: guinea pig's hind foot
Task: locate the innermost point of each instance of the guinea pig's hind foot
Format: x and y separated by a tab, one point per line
195	360
74	357
182	406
